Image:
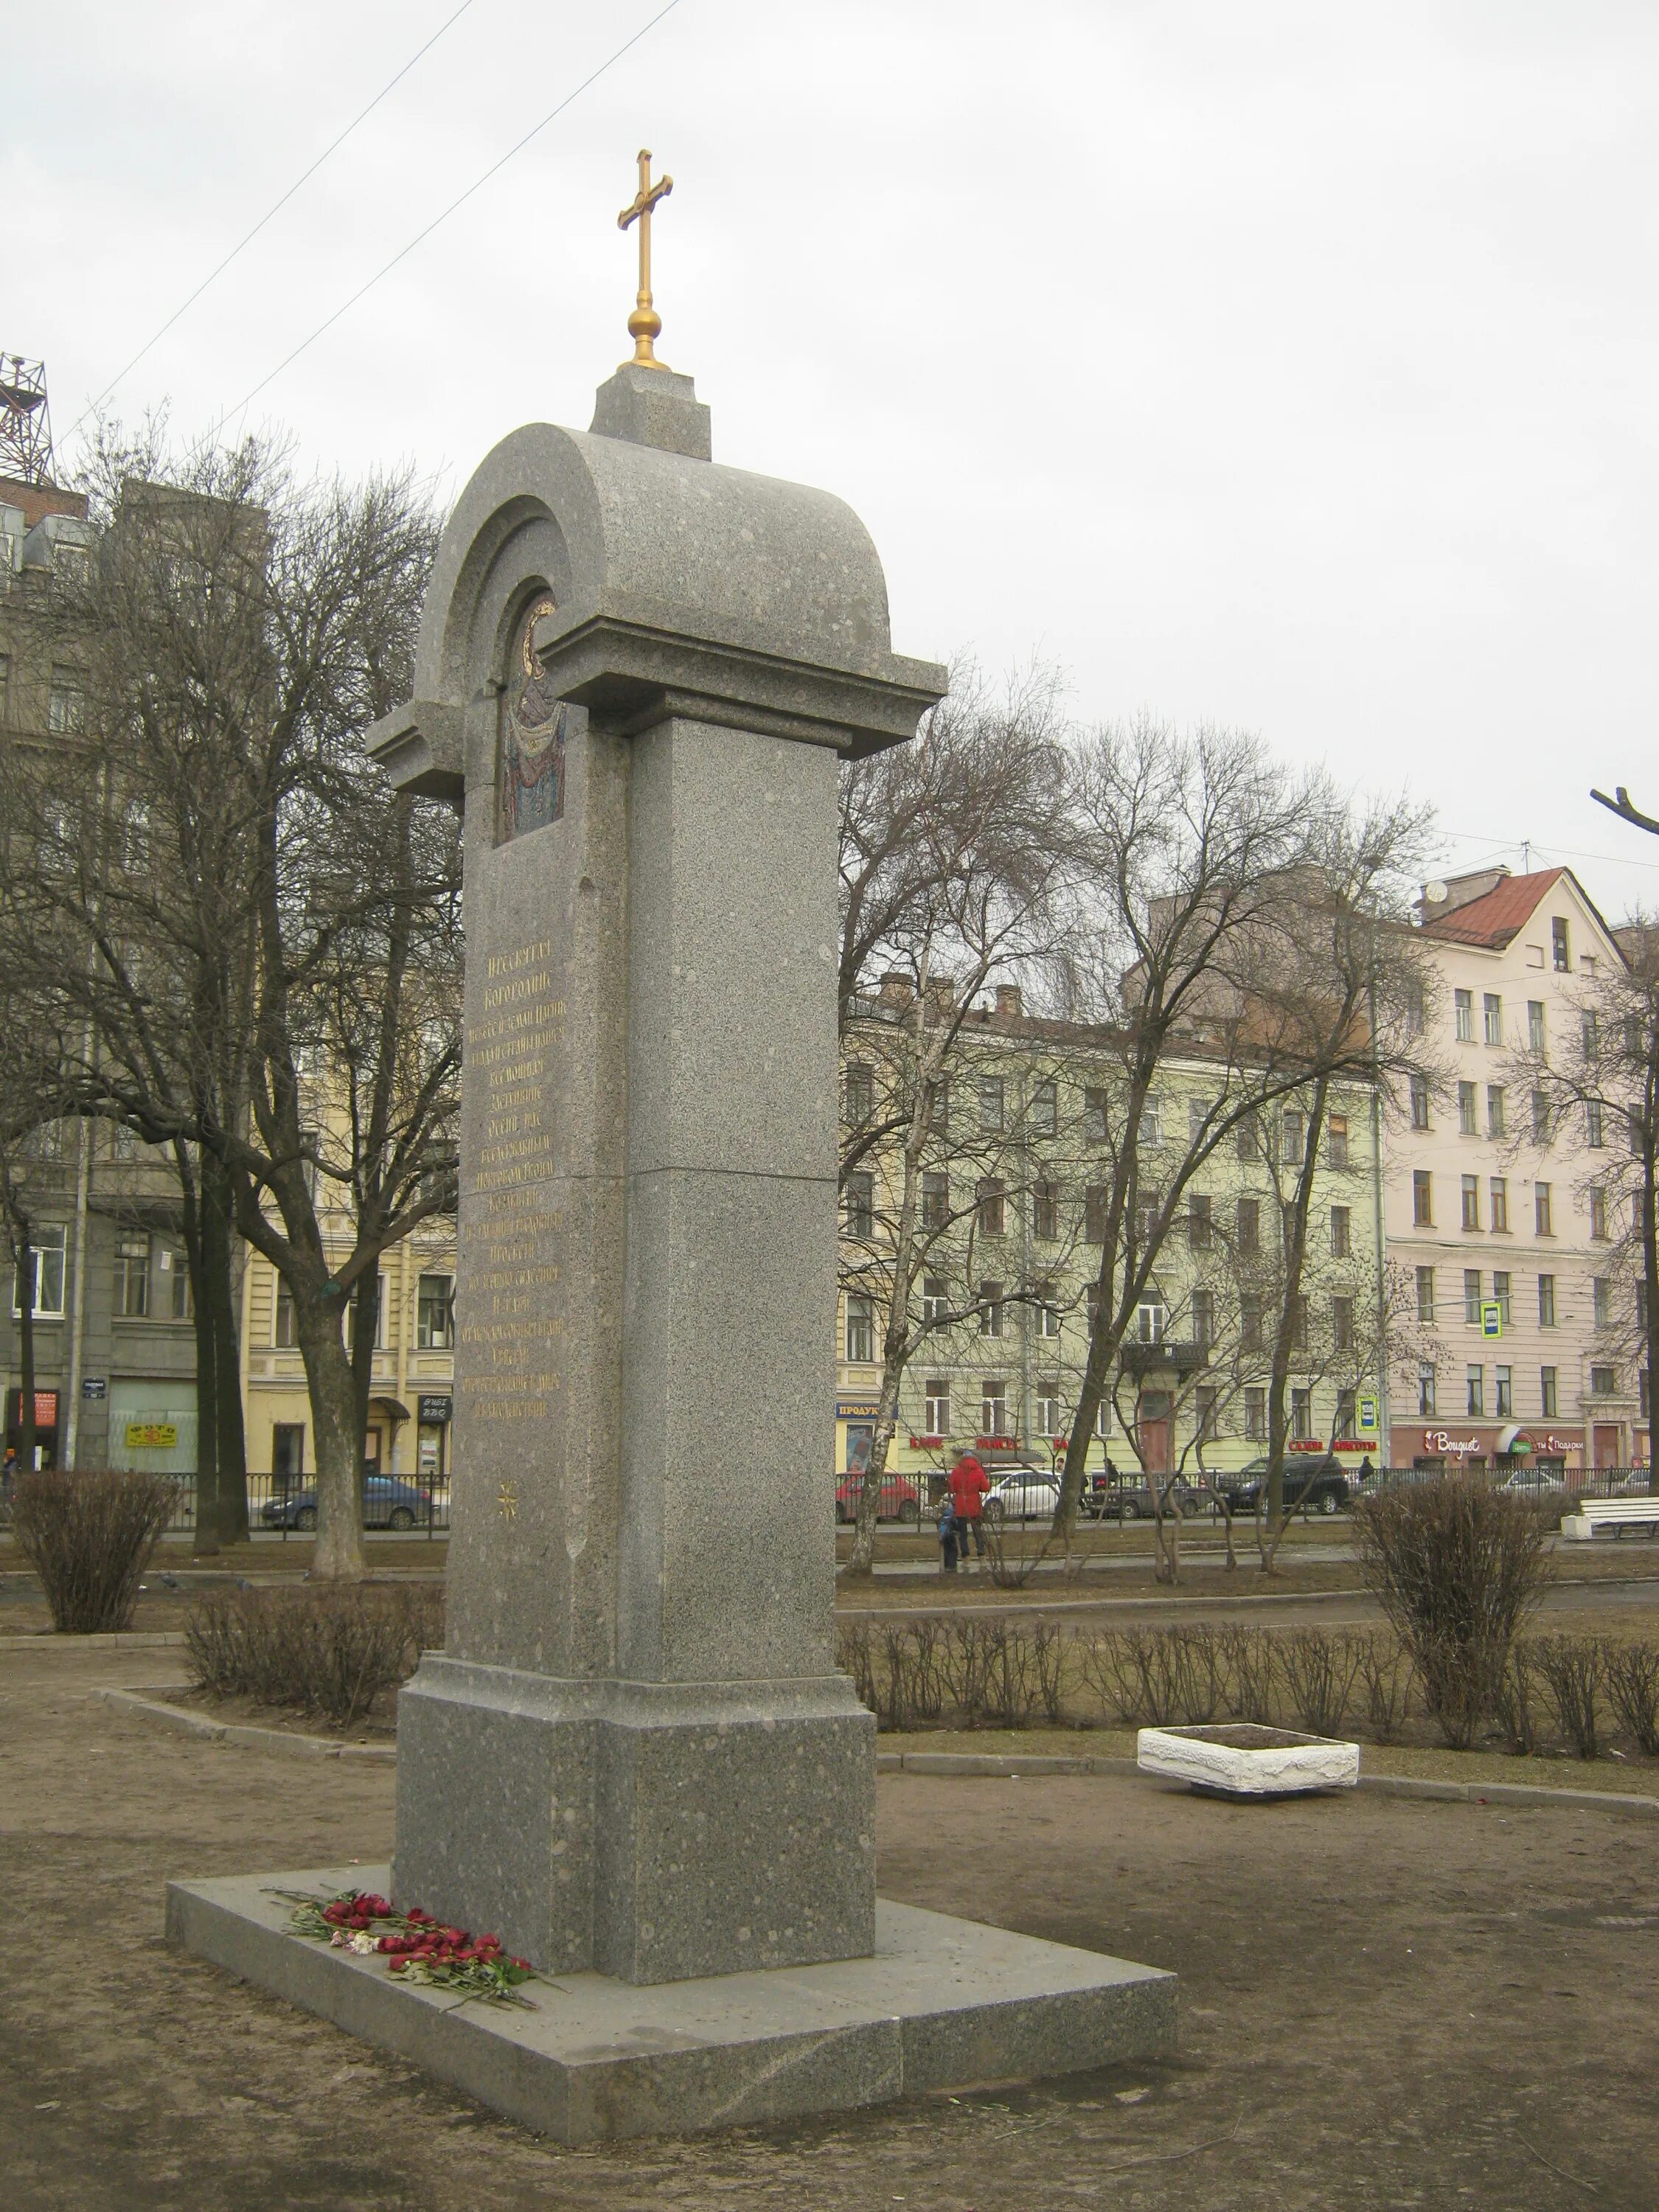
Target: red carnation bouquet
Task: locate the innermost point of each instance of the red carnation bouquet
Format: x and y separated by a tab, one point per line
416	1945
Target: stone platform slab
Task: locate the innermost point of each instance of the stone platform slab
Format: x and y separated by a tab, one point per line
942	2005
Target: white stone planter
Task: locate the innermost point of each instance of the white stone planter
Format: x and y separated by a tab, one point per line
1239	1758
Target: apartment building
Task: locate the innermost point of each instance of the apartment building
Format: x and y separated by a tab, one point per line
1491	1201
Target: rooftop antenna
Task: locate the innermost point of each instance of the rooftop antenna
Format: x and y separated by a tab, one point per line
25	420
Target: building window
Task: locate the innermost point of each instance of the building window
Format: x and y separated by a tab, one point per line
990	1103
935	1302
861	1095
66	703
1422	1199
1416	1012
1207	1403
1598	1216
1250	1138
434	1314
936	1406
1045	1210
1560	957
1504	1407
1497	1191
1204	1317
1535	1025
1093	1117
1296	1312
990	1308
1198	1122
1500	1291
1594	1124
1150	1320
1292	1137
348	1318
935	1200
1249	1321
1095	1207
132	1277
1336	1140
1045	1406
1476	1380
1471	1201
1420	1085
1641	1308
1592	1037
1198	1221
1546	1302
1496	1118
1465	1109
1602	1301
1492	1013
1547	1392
1425	1294
1472	1297
1603	1382
1255	1412
989	1197
1642	1384
173	1294
135	839
1301	1414
1341	1232
1151	1121
860	1328
1148	1208
1048	1313
939	1115
1425	1393
993	1407
1249	1225
1540	1118
1342	1324
861	1205
1463	1016
283	1335
1540	1210
1045	1107
49	1248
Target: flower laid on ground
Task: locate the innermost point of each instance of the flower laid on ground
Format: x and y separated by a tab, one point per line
416	1945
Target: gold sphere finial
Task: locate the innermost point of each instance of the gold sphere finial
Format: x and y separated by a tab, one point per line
645	323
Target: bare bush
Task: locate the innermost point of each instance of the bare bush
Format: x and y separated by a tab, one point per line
1319	1673
328	1651
855	1655
1632	1679
1253	1674
1386	1676
1458	1567
1571	1667
89	1537
1520	1700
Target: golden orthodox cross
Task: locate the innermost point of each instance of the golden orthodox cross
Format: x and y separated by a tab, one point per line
645	323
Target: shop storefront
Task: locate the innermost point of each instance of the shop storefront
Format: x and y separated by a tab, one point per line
855	1430
432	1411
1502	1446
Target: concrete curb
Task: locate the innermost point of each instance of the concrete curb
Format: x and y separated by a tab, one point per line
1175	1608
1012	1767
281	1740
130	1639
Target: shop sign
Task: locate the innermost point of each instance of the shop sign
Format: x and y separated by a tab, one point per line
93	1386
152	1436
857	1409
45	1409
1442	1444
432	1411
1306	1445
1491	1318
1367	1412
996	1443
926	1444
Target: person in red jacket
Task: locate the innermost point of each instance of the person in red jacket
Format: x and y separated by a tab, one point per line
968	1484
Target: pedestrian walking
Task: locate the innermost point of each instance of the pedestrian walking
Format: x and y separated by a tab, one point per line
968	1485
947	1537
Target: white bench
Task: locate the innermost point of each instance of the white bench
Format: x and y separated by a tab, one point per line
1615	1513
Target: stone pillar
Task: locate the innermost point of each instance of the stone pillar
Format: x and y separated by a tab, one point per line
637	670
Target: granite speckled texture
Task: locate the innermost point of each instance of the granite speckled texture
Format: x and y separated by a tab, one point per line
940	2004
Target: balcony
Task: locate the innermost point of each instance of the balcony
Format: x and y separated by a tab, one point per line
1162	1356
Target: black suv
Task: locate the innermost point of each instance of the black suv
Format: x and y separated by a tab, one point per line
1314	1485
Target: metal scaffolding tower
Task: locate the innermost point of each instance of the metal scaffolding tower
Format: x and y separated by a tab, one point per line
25	420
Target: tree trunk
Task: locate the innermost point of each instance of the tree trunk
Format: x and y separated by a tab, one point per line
862	1562
365	1328
205	1542
29	1264
1649	1204
339	1556
229	1435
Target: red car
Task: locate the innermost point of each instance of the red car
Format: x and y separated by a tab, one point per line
901	1499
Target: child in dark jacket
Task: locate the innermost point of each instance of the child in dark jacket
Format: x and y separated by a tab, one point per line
949	1533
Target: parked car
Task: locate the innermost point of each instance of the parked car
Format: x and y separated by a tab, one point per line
1532	1480
1319	1485
900	1498
1132	1499
1022	1494
387	1504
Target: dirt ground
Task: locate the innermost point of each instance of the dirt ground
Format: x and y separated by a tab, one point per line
1383	2003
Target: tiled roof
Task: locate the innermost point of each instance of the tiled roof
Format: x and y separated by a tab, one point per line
1496	917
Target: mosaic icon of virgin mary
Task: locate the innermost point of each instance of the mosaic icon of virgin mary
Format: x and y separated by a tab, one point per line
530	783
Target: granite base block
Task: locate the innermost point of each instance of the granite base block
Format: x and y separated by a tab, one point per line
942	2005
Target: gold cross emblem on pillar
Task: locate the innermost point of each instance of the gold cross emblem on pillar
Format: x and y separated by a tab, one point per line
645	323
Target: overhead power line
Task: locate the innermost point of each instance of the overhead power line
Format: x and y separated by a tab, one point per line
420	236
333	146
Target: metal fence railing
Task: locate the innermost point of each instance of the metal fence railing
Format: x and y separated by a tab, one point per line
280	1506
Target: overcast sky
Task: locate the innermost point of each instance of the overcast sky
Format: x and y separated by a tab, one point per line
1290	367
